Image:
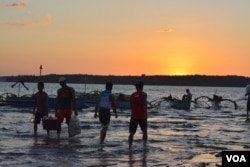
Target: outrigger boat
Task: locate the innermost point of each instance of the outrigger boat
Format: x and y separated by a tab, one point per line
172	103
28	101
84	100
216	102
180	104
122	101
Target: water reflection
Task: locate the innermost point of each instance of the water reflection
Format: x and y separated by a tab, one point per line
138	157
54	152
45	141
104	157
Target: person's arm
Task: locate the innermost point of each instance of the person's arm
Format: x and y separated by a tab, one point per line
112	100
145	103
97	105
74	101
96	109
130	101
35	105
47	104
57	103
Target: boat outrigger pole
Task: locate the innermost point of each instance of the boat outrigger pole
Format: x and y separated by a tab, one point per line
19	82
85	83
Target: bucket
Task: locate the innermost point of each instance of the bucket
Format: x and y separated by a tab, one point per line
49	124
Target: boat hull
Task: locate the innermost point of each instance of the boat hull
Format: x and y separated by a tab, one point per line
28	101
180	104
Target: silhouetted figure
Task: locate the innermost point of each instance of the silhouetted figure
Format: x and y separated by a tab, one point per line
138	104
106	101
188	96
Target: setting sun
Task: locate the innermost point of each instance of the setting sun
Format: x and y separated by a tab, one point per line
179	72
179	65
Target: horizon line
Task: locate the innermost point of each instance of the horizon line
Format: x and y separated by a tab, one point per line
142	75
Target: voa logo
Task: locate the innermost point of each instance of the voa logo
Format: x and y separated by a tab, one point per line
236	158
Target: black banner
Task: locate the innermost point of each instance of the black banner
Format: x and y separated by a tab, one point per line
235	158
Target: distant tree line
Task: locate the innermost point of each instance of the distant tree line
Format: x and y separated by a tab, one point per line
189	80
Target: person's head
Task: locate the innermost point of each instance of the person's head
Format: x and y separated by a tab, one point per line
40	85
139	85
109	86
187	90
62	81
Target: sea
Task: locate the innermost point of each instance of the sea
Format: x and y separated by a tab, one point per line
176	138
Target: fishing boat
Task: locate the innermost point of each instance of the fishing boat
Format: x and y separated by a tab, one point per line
84	100
175	103
216	102
28	100
15	99
19	101
89	99
3	98
180	104
122	100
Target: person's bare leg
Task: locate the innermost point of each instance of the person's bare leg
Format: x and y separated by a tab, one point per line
130	140
35	129
247	115
58	126
103	135
145	138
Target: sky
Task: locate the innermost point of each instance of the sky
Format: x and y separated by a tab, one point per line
131	37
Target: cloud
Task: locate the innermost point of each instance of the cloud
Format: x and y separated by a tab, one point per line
43	22
165	30
28	12
17	5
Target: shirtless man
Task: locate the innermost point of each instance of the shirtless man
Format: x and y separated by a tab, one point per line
41	106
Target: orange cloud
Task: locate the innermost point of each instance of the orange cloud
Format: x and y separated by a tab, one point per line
165	30
44	22
17	5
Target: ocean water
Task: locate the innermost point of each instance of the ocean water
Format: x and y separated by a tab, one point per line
175	137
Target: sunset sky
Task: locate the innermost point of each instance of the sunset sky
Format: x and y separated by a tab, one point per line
125	37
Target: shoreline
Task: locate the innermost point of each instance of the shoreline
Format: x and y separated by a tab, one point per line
187	80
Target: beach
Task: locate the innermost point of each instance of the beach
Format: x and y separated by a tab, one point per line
193	138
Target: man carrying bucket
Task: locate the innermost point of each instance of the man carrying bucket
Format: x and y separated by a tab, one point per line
66	101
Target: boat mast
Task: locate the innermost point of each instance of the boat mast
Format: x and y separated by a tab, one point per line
41	68
85	83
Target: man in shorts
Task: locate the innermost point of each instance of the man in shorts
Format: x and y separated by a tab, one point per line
138	105
66	102
106	101
41	106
